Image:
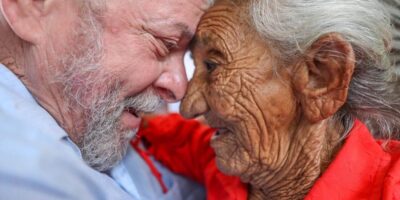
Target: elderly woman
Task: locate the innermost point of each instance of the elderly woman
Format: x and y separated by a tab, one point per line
303	98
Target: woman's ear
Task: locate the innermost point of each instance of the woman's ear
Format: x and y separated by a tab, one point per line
23	17
322	78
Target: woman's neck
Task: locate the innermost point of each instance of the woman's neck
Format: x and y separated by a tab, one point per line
312	149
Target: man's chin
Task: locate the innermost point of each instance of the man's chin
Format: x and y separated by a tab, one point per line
110	162
106	155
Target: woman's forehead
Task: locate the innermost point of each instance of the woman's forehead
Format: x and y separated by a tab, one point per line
220	23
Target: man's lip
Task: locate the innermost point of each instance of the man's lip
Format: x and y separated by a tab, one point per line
133	112
130	121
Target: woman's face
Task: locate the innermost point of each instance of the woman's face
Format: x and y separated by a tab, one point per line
242	91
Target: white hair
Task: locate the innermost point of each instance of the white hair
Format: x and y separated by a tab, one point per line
393	6
95	94
294	25
210	2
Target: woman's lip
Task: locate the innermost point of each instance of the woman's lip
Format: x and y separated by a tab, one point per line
220	128
220	132
130	121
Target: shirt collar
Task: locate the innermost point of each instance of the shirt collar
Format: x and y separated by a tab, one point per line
29	109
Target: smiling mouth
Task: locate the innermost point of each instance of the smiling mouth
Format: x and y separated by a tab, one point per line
220	132
134	112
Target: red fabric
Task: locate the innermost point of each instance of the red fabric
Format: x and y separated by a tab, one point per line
361	170
146	157
183	146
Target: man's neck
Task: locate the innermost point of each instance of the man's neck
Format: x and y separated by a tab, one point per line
45	94
312	149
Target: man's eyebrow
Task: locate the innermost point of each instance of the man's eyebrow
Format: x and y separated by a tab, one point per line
169	24
184	29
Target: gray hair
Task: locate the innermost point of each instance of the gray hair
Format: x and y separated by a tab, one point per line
99	135
373	93
393	6
210	2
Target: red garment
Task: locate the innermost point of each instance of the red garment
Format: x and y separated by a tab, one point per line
361	170
183	146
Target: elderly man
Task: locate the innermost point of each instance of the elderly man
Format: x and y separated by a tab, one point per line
75	77
303	97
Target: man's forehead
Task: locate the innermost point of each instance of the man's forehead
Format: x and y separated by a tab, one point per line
171	24
184	28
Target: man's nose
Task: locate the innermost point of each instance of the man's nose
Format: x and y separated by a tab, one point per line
172	83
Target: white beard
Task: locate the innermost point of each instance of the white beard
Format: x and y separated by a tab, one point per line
94	95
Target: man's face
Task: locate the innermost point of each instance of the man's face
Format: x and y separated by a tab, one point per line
125	57
242	91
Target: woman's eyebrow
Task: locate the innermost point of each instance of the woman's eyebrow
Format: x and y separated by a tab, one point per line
199	40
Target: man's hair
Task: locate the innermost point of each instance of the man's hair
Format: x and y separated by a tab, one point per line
293	26
210	2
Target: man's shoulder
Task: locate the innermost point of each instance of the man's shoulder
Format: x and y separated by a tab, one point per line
36	159
37	164
41	167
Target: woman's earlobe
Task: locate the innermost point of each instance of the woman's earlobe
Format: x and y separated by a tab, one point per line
322	77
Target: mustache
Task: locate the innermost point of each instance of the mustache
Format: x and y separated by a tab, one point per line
145	102
104	145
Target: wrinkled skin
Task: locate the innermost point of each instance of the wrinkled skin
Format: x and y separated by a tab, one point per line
273	121
83	61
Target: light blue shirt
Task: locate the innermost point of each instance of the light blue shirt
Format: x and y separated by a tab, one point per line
39	161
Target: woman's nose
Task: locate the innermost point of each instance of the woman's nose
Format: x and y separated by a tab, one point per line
194	104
